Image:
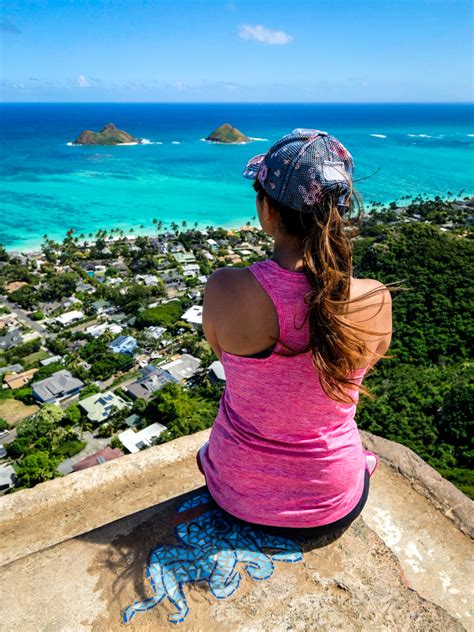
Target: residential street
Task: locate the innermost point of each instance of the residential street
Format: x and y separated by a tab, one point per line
23	316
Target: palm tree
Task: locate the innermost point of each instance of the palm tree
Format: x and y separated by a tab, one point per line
85	424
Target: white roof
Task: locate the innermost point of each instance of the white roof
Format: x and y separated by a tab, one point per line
182	368
134	441
155	331
70	317
193	314
218	369
190	267
6	475
101	328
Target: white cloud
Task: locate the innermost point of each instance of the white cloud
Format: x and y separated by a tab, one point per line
83	82
262	34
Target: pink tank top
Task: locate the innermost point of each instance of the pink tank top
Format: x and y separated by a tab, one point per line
281	452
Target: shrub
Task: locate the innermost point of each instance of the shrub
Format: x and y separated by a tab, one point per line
164	315
70	448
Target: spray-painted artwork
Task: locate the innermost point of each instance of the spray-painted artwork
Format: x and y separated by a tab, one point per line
212	549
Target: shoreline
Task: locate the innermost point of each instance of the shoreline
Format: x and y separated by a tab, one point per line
151	232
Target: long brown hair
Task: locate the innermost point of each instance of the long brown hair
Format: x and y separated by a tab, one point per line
327	258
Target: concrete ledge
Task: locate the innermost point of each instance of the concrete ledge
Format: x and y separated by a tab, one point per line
52	512
445	496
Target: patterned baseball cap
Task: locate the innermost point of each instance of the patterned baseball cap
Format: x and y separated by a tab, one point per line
303	165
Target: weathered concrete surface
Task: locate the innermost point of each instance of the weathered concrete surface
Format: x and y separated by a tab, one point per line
34	519
442	494
435	555
354	583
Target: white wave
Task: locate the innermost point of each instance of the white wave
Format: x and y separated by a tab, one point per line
175	142
419	136
471	135
255	138
147	141
70	144
378	135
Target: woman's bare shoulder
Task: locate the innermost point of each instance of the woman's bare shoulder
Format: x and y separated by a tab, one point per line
371	309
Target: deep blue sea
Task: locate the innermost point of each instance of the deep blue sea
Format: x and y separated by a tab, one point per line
48	186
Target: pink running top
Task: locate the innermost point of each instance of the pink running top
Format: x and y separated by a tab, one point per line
281	452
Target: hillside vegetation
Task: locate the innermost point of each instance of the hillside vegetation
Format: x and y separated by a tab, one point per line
424	394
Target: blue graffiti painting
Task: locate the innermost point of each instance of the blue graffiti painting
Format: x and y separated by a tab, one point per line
210	548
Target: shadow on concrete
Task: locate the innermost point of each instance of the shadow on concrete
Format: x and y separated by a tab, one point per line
148	557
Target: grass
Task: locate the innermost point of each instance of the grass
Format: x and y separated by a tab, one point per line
35	357
70	448
14	411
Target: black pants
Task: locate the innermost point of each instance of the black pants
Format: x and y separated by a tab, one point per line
311	532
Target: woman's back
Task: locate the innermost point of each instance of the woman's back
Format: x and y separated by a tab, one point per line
284	449
281	451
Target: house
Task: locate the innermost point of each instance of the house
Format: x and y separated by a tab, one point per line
99	406
69	317
216	372
152	380
86	288
102	456
191	270
213	244
19	380
124	344
193	315
99	330
68	302
154	332
150	280
135	441
133	421
234	258
7	477
183	368
13	368
51	360
11	339
58	386
101	306
184	257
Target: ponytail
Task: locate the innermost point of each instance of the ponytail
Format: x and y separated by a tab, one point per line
327	258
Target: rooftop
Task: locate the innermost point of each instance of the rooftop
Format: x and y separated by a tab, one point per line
56	386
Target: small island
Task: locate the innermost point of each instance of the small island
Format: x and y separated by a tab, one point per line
227	134
108	135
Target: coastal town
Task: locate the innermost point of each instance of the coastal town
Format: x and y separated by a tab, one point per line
102	352
93	331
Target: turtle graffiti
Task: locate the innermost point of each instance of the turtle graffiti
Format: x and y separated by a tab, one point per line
213	549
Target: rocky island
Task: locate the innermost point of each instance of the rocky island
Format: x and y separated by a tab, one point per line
108	135
228	134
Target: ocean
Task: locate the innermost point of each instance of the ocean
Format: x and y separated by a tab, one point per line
48	186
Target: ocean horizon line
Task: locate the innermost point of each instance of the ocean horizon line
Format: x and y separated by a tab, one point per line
266	103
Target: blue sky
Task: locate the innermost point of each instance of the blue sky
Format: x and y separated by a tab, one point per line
237	50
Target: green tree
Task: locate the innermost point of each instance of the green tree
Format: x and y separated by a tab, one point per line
36	468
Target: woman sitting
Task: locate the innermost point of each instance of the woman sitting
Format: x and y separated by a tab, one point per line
296	334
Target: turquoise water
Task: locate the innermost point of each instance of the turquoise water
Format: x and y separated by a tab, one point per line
48	186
